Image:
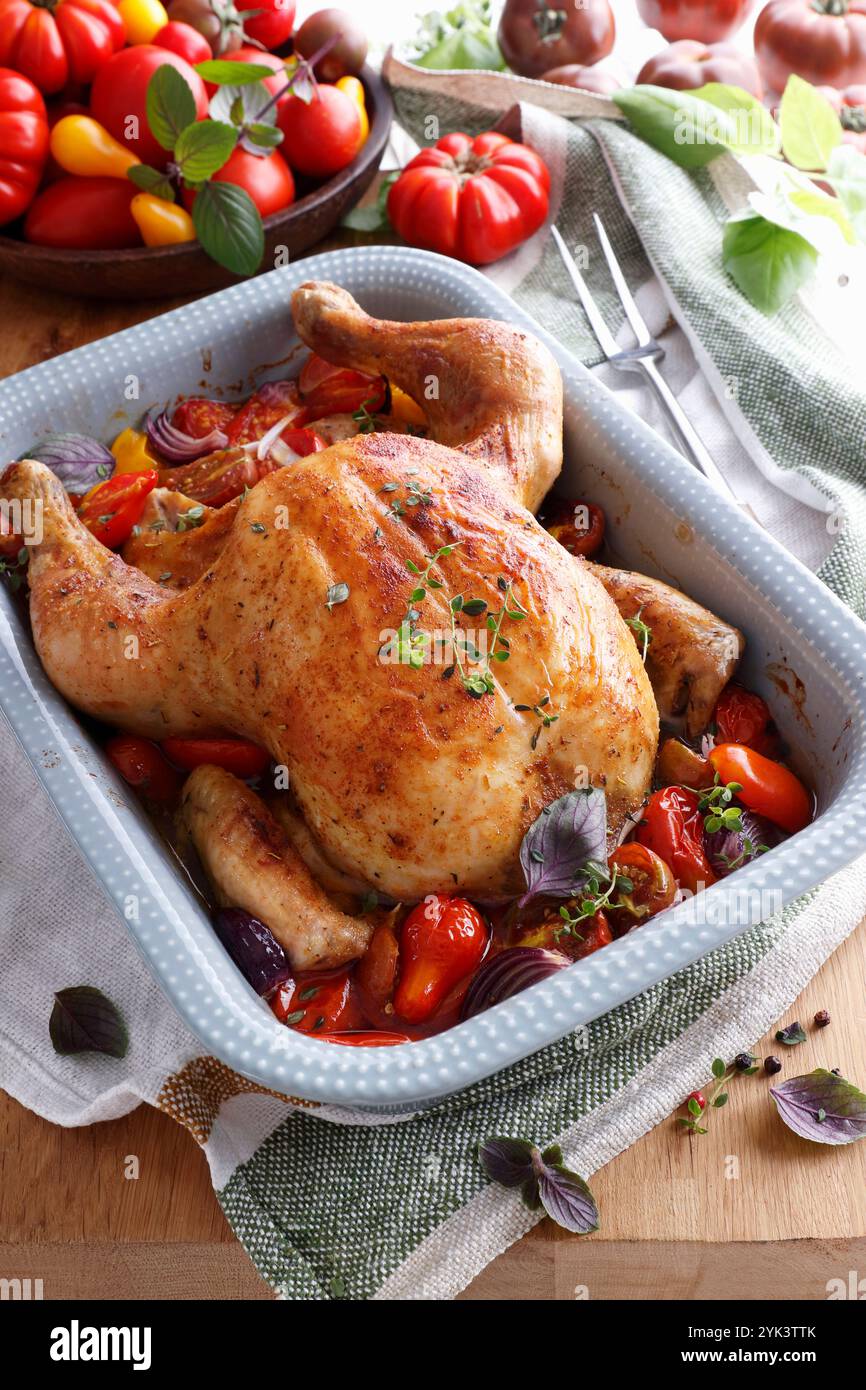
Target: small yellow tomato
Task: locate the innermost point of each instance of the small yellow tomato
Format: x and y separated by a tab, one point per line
130	450
161	223
354	88
143	19
82	146
404	408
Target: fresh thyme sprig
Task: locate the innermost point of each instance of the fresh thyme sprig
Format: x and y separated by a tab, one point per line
16	569
542	713
416	497
714	803
592	898
409	645
363	419
642	631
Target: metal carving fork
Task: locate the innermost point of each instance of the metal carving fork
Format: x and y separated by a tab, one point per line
642	358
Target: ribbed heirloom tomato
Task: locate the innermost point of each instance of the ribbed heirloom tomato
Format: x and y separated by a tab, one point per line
55	42
23	143
707	20
822	41
473	199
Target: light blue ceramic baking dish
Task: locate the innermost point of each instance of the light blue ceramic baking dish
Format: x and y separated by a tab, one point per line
664	519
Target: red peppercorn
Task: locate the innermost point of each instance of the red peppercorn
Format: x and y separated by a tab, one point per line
699	1097
822	1018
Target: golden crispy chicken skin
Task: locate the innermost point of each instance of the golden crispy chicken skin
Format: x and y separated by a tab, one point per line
405	781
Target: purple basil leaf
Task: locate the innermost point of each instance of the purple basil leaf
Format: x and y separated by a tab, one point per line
77	460
802	1100
567	1199
85	1020
556	847
508	1161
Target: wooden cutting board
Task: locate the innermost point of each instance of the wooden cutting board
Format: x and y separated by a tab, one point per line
747	1211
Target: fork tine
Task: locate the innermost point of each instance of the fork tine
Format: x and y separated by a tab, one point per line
606	340
632	312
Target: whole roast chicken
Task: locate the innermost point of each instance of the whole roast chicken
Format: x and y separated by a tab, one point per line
319	620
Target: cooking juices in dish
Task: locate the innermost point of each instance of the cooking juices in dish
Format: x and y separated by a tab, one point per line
405	736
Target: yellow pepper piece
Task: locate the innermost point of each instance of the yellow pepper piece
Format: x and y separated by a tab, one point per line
354	88
130	450
161	223
143	19
82	146
404	408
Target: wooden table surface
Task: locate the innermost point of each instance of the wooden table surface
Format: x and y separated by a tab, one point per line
676	1223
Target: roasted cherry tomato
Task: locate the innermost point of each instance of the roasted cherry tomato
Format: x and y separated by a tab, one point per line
84	213
741	716
588	936
320	1001
235	755
687	64
673	828
329	390
218	477
141	764
822	41
707	20
441	942
196	416
578	526
473	199
23	143
185	41
653	887
111	509
768	788
57	42
270	404
322	136
120	92
371	1037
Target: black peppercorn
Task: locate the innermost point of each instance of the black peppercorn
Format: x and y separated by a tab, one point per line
772	1065
743	1061
822	1018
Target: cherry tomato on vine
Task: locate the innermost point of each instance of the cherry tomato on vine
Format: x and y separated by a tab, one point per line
768	788
442	940
653	887
673	828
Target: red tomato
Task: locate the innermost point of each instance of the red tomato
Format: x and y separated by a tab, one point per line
65	42
578	526
585	79
196	416
653	887
328	390
822	41
263	60
673	829
236	755
23	143
474	199
268	180
263	410
185	41
850	107
84	213
741	716
119	95
707	20
110	510
589	936
271	24
768	788
217	478
688	64
367	1038
441	942
320	1001
322	136
141	764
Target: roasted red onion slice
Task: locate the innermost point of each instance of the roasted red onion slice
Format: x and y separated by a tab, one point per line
508	973
178	447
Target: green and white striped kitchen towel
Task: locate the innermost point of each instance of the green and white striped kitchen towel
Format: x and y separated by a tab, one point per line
332	1204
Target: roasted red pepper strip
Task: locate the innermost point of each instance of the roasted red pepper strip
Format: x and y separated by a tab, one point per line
441	942
673	828
235	755
111	510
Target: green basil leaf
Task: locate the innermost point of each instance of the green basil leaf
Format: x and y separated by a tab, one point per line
818	204
753	129
261	139
688	130
243	105
228	225
811	130
222	74
465	48
203	149
170	105
151	181
846	173
767	262
374	217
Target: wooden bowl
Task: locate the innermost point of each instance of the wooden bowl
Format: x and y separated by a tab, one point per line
159	271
